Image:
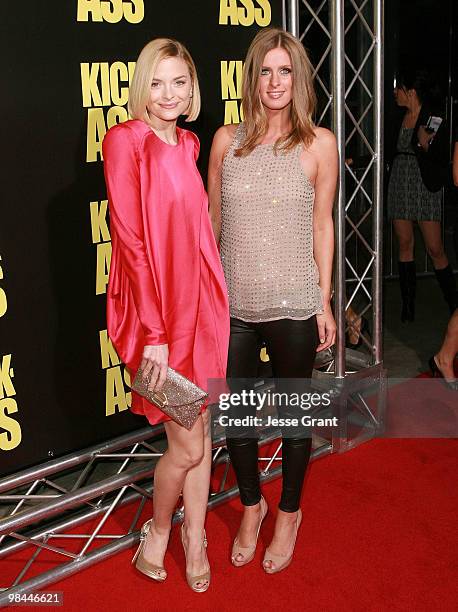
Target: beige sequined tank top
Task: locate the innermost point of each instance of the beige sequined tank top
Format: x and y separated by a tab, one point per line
266	234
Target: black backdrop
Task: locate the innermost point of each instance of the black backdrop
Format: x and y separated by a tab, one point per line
61	385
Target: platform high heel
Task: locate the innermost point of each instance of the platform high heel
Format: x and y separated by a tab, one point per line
204	578
281	562
156	572
248	552
363	329
450	384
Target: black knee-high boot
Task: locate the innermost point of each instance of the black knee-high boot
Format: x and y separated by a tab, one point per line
295	458
447	284
244	459
408	282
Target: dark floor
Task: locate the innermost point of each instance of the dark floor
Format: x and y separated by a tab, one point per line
408	346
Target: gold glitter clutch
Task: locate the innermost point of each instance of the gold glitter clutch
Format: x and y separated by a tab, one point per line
180	399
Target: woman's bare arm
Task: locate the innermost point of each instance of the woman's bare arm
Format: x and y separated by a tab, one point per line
325	150
455	165
221	142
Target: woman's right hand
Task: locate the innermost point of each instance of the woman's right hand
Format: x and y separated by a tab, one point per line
155	361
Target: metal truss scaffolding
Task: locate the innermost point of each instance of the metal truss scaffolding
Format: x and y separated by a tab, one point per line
345	41
61	508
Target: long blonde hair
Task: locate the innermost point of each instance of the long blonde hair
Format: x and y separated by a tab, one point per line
303	101
140	88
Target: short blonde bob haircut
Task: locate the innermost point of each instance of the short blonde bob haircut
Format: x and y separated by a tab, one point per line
140	88
303	103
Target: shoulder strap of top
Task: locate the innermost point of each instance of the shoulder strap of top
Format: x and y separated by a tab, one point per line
237	138
298	149
239	135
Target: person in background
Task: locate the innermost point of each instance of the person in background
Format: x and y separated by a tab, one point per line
271	186
442	363
414	190
167	297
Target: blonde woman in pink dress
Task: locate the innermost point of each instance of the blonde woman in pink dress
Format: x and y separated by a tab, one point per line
167	298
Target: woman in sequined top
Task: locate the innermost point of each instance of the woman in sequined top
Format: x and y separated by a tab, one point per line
271	186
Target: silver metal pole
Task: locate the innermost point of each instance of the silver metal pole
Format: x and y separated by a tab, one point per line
70	500
338	120
293	17
377	216
69	522
76	458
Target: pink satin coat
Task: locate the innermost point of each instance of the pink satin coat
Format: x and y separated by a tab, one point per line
166	283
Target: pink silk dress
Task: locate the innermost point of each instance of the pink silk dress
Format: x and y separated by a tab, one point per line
166	283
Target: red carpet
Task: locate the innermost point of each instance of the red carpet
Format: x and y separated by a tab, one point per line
379	533
421	407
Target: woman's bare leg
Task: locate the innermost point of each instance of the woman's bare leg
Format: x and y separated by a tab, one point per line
195	498
432	235
185	451
447	353
444	274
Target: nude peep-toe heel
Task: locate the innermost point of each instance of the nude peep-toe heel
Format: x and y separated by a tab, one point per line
281	561
156	572
248	552
193	581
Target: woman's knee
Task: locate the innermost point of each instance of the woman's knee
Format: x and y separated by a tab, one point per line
188	457
435	251
187	448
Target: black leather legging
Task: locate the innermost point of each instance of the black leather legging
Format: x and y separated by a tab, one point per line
291	346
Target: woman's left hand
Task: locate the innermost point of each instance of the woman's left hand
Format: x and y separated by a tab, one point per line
424	137
326	329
